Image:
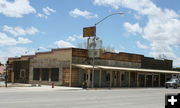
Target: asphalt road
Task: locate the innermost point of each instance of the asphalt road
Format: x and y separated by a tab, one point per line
114	98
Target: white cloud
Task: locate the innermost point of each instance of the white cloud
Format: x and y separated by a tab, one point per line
43	48
133	28
86	14
63	44
138	17
114	3
70	38
23	40
162	28
75	37
141	46
14	51
6	40
18	31
42	15
46	12
17	8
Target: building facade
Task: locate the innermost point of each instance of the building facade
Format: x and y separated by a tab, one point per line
73	66
2	70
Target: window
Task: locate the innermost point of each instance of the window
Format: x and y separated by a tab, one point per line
45	74
54	74
22	73
123	76
107	76
36	74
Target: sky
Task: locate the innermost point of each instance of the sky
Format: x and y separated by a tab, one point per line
147	27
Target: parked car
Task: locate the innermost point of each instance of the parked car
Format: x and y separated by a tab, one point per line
173	83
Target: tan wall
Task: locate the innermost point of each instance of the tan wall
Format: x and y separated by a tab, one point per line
59	55
66	77
56	59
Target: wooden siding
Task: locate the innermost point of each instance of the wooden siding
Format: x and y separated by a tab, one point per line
80	53
109	56
66	76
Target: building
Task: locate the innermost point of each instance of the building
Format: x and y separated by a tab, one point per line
72	66
2	70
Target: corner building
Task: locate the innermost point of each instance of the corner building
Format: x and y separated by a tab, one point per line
72	66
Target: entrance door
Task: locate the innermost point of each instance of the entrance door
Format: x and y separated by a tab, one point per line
141	80
156	80
116	74
149	81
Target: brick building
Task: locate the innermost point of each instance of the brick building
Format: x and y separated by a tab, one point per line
72	66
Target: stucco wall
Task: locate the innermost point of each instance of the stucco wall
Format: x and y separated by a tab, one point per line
57	59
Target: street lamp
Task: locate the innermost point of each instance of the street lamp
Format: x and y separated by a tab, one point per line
94	44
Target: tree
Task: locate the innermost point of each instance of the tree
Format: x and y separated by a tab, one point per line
162	57
82	45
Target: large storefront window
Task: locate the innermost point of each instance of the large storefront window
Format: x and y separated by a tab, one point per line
36	74
55	74
133	79
156	80
107	77
141	80
149	80
45	74
125	77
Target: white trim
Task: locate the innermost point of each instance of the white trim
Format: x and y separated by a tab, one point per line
124	69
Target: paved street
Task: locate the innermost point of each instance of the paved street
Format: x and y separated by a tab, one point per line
56	98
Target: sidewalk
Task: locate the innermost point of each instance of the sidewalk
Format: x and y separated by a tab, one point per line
2	84
48	88
29	87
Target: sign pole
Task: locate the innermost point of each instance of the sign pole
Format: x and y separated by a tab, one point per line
94	44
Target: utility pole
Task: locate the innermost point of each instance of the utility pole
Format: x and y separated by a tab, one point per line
94	44
6	76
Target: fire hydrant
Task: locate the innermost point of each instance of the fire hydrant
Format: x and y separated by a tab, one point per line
52	84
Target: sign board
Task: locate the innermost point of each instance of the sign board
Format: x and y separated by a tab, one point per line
89	31
96	53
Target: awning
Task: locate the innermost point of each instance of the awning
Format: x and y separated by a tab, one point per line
123	69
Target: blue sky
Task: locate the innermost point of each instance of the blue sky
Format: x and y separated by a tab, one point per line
148	27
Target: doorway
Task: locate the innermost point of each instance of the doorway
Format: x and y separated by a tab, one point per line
141	80
149	80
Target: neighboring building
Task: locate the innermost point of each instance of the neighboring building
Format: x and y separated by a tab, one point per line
2	70
176	69
72	66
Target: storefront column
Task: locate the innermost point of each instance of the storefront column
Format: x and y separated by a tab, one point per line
12	77
145	80
137	80
165	77
49	74
152	79
89	76
40	76
129	79
159	79
111	79
100	77
120	80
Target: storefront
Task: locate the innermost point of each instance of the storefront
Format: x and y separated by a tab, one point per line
106	76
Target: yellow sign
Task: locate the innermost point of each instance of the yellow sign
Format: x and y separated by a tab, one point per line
89	31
